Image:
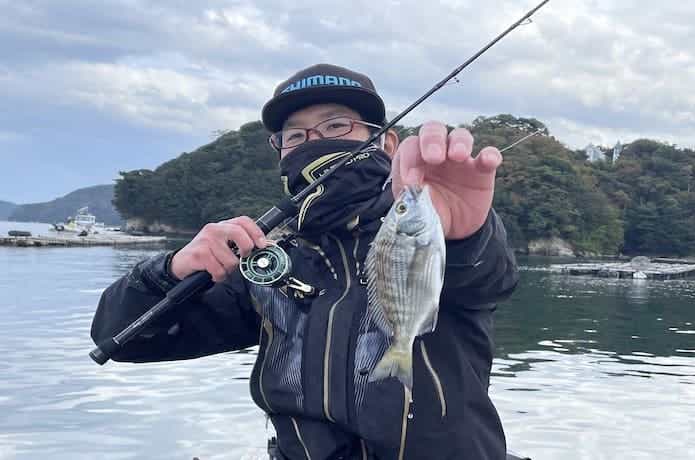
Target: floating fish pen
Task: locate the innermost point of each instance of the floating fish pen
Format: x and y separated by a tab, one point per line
637	268
74	240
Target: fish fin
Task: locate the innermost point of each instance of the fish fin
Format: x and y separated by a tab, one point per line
396	362
430	322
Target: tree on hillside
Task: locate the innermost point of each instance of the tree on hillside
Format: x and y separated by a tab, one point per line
236	174
651	183
542	189
641	203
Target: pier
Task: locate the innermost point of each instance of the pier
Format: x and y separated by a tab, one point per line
638	268
61	240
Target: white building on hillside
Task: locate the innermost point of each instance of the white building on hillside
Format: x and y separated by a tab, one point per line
617	150
593	153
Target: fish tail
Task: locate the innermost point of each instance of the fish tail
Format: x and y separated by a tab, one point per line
396	362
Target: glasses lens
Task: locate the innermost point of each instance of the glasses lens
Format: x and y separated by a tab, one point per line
289	138
335	127
276	140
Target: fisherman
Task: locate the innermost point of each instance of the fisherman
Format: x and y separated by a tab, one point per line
317	347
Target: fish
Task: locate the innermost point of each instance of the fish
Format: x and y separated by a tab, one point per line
405	274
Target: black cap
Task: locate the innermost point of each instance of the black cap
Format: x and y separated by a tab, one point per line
323	84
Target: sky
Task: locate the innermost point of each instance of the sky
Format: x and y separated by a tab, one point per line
88	88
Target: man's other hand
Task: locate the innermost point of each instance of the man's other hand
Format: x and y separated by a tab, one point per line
461	186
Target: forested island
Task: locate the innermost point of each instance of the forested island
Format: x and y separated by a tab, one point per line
636	199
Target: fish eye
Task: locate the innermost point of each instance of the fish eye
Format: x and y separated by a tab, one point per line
401	208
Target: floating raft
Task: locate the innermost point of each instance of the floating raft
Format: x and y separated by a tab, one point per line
643	269
100	239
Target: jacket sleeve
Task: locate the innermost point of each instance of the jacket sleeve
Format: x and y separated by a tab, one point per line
221	319
481	269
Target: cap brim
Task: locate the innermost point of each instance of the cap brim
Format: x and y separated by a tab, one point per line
368	104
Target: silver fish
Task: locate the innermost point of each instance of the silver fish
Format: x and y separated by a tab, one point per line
405	272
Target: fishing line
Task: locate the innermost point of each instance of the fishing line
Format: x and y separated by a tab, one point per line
522	140
288	207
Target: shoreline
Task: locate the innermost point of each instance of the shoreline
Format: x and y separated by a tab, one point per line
76	241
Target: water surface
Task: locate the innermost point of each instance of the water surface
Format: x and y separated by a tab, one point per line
585	369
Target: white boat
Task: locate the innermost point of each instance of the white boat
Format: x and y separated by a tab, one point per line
82	223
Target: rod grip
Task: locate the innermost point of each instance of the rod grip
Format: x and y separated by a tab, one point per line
275	215
189	286
184	290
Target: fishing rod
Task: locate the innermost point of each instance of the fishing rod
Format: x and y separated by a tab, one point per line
286	208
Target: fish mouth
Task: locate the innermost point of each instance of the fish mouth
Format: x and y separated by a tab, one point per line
413	191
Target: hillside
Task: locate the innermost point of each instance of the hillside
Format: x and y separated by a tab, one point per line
641	203
98	198
6	209
235	175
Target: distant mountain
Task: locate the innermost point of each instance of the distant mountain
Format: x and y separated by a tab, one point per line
6	209
97	198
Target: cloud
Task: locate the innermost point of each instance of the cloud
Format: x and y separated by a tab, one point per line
178	98
10	137
593	71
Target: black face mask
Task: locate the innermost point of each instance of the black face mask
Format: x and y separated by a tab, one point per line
353	194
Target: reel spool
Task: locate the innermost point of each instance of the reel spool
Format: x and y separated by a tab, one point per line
266	267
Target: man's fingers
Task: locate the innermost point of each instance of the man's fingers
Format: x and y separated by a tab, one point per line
252	229
488	160
223	253
433	142
238	234
225	232
214	266
410	161
460	145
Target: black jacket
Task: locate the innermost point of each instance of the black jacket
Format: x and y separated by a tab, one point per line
315	354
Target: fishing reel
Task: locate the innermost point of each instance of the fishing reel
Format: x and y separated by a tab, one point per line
269	266
272	266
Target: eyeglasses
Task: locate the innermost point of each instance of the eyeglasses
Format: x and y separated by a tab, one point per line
327	129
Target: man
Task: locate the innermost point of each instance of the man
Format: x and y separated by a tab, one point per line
317	344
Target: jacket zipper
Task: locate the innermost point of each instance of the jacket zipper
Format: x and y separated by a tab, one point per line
323	255
299	436
269	330
404	424
435	378
329	334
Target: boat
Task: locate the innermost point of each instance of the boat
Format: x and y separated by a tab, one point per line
275	454
81	223
19	233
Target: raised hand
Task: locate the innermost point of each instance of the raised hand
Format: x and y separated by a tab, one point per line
461	186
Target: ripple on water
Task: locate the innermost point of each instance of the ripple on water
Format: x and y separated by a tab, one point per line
586	369
557	399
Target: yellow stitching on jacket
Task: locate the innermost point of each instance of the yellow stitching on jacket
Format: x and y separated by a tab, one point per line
329	334
435	378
